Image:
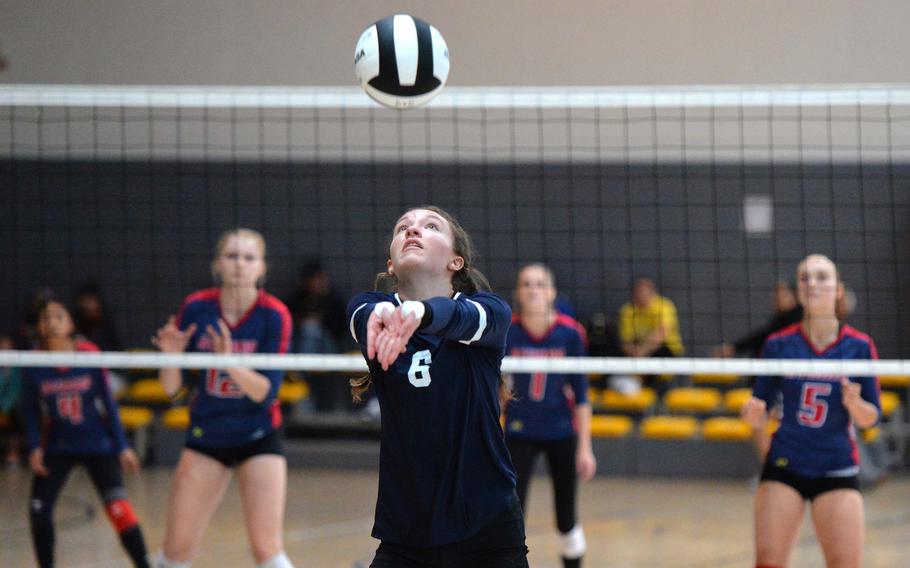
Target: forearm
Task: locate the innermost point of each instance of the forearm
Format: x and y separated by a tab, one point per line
171	380
762	441
254	385
864	414
583	423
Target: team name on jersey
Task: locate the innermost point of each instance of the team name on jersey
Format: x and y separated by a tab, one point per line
823	378
538	352
82	383
237	345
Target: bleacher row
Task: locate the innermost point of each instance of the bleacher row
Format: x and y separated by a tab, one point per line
696	408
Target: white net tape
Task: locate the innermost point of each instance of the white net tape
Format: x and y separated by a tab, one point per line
355	363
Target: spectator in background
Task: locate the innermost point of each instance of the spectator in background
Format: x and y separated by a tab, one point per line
319	327
648	326
93	322
787	311
10	394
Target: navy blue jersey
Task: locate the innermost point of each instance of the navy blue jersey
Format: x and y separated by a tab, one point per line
544	402
444	469
816	437
82	417
220	414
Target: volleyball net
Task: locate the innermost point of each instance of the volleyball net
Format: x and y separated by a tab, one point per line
714	193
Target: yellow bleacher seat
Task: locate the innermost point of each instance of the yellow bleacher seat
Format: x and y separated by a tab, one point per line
177	418
871	434
594	396
135	417
726	429
610	426
692	399
617	402
147	391
292	392
773	425
890	401
669	427
735	399
714	379
894	381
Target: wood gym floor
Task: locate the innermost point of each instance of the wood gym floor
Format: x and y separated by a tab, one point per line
628	522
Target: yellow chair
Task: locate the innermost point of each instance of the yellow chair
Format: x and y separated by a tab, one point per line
292	392
871	434
610	426
735	399
698	400
714	379
136	419
890	401
177	418
895	382
615	401
594	396
726	429
147	391
669	427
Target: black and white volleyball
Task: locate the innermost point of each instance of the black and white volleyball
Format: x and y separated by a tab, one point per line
401	61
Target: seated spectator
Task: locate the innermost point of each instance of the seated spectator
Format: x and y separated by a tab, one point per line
787	311
93	322
648	326
320	327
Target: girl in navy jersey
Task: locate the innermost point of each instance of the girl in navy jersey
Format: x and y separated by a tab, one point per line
550	413
434	347
234	413
813	454
77	433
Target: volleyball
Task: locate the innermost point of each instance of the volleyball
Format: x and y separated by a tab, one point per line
401	61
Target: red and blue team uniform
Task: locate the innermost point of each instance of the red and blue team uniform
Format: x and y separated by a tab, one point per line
816	437
444	471
543	405
220	414
71	397
83	428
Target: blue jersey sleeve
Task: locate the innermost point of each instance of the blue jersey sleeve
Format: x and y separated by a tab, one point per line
31	412
478	319
114	425
767	388
579	381
358	313
276	340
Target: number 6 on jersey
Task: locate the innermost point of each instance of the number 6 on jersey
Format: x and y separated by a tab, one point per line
419	373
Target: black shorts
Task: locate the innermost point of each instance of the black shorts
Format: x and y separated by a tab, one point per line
808	487
500	544
230	456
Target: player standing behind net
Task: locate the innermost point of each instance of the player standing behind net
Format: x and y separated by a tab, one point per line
434	348
813	455
234	414
544	417
77	433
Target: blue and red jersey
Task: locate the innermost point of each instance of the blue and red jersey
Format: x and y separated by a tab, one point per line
82	417
444	469
816	437
220	414
544	402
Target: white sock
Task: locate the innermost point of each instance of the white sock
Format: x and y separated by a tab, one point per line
280	560
161	562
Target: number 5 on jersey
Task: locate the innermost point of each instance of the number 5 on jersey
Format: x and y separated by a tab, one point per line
419	373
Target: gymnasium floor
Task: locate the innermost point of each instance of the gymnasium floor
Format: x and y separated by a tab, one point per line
629	523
